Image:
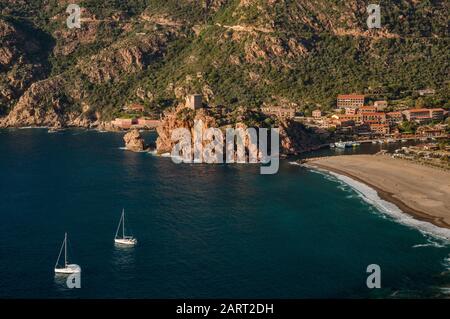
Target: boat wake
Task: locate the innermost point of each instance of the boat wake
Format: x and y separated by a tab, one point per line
370	196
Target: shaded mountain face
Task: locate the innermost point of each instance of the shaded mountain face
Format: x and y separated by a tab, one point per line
235	52
23	60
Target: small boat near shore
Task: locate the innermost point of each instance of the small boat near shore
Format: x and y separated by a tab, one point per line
340	144
343	145
67	268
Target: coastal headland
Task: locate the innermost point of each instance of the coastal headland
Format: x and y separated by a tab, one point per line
421	191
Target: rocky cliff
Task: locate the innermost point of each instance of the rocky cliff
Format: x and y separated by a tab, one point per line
22	62
294	137
134	141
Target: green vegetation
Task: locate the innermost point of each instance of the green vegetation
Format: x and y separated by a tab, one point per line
408	127
300	59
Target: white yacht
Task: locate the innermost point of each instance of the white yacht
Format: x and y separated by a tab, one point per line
121	238
66	268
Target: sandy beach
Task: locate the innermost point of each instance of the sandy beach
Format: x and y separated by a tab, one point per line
421	191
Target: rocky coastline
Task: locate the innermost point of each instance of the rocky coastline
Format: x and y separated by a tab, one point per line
294	137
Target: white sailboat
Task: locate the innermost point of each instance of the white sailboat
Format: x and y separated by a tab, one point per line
68	268
124	240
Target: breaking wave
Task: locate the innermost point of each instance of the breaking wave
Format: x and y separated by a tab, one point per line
370	196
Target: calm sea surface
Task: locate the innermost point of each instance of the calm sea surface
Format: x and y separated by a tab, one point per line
204	231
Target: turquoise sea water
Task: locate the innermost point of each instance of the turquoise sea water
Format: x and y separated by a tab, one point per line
204	231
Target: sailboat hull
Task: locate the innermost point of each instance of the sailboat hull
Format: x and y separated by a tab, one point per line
126	241
69	269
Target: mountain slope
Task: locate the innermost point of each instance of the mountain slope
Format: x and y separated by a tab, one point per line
235	52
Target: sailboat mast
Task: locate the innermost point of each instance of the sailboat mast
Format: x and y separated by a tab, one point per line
123	223
65	250
60	252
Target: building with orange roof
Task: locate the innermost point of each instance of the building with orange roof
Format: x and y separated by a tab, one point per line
437	114
367	109
373	117
350	101
346	119
423	115
124	123
280	112
381	129
431	131
394	117
351	110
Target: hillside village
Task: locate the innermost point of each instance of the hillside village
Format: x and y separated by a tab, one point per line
351	118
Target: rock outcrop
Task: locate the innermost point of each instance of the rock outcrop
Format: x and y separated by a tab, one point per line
180	118
294	137
134	141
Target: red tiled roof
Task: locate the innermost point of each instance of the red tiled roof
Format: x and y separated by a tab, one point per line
374	113
351	96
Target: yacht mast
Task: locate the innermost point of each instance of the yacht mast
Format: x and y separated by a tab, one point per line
65	250
123	223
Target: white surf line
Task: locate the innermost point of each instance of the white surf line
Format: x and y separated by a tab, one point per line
370	195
